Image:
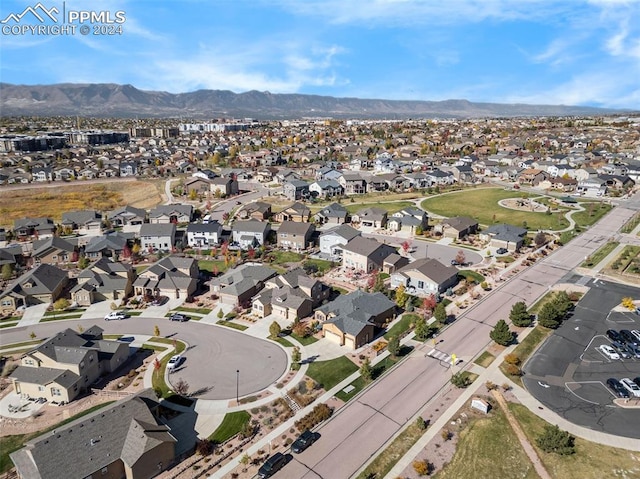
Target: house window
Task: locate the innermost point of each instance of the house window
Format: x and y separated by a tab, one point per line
420	284
55	392
29	362
6	302
40	388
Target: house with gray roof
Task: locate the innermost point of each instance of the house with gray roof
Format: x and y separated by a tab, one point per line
425	276
127	439
127	217
325	189
239	285
157	236
371	217
505	236
104	280
175	213
204	235
111	245
295	236
333	240
83	222
67	364
295	212
53	250
43	284
334	213
172	276
409	219
353	319
27	228
457	227
296	190
250	233
365	254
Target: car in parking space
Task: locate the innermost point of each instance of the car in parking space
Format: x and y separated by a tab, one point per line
115	315
617	387
632	387
633	350
628	337
272	465
304	441
621	349
614	335
174	362
179	317
502	251
636	333
637	380
608	351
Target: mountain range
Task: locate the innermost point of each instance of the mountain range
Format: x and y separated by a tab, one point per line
126	101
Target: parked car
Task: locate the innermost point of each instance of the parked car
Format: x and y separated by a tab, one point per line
628	337
174	362
608	351
115	315
273	465
617	388
614	335
179	317
304	441
632	387
502	251
636	333
633	349
637	380
621	349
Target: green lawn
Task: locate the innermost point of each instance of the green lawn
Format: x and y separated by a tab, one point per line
193	310
600	254
306	341
482	204
472	276
60	317
232	325
157	378
322	265
592	213
283	342
330	373
488	447
358	384
231	425
401	326
283	257
485	359
390	207
8	325
208	265
19	345
64	312
526	348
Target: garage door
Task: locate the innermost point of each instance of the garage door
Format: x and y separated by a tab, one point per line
334	338
349	342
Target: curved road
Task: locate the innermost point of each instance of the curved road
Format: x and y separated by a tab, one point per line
214	354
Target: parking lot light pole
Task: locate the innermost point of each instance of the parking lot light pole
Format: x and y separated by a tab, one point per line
237	386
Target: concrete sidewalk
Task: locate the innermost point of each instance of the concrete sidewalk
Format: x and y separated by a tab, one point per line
33	315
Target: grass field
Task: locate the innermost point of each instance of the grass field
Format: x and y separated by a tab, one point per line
600	254
283	257
322	265
231	425
232	325
482	204
31	202
210	264
401	326
593	211
485	359
391	207
590	461
526	348
305	341
488	447
330	373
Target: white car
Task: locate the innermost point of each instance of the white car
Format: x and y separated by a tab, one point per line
636	333
174	362
632	387
608	351
115	315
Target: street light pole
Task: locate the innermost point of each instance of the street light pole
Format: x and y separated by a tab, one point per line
237	386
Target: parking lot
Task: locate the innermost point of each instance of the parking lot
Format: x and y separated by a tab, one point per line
569	372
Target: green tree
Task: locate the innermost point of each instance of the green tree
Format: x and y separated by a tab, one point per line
83	262
394	346
501	334
401	296
7	271
460	380
378	286
295	355
274	330
61	304
562	303
423	330
366	371
549	316
519	315
555	440
540	239
440	313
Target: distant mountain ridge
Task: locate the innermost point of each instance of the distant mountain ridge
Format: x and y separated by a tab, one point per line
113	100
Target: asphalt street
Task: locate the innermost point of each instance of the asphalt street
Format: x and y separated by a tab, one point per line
214	354
568	374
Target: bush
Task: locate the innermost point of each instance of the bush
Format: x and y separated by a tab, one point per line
555	440
421	467
512	358
513	370
320	413
204	447
460	380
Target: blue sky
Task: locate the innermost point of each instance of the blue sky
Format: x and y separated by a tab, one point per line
507	51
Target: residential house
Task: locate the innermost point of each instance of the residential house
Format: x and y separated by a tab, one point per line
617	181
296	190
237	286
111	245
258	210
250	233
325	189
371	217
463	173
84	222
592	187
67	364
532	176
334	213
126	439
504	236
43	284
333	240
352	320
559	183
439	177
294	235
409	219
128	218
365	254
353	184
201	235
425	276
157	236
289	297
200	185
296	212
394	262
457	227
129	168
225	187
41	173
28	228
104	280
54	250
172	276
175	213
327	173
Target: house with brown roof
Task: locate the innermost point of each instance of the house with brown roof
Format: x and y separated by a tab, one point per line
365	254
258	210
532	176
296	212
425	276
294	235
371	217
457	227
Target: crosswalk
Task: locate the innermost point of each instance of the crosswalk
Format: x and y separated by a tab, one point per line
439	355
